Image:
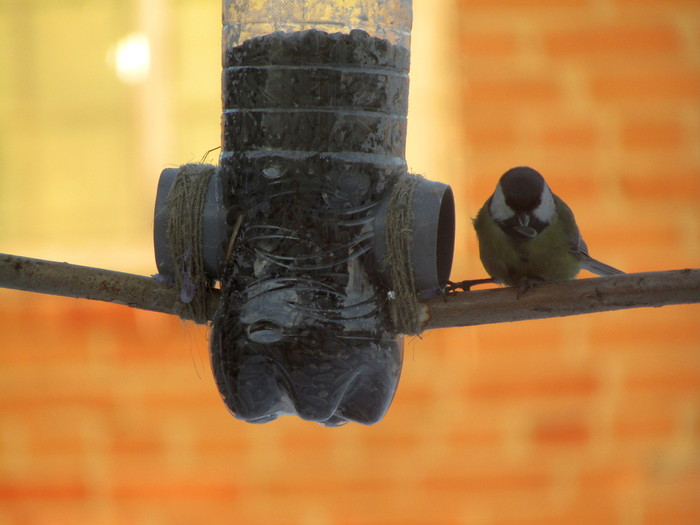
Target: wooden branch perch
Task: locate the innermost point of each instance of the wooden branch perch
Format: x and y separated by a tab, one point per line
635	290
84	282
583	296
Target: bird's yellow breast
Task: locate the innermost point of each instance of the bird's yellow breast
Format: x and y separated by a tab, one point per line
546	257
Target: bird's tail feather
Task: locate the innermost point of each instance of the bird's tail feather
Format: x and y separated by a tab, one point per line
599	268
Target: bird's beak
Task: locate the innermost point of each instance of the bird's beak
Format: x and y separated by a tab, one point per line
523	228
524	219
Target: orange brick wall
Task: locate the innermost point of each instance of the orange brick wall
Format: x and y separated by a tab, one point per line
110	415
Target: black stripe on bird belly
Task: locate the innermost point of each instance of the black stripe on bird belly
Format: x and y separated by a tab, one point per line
517	262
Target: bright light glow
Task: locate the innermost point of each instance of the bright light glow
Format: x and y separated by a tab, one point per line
131	58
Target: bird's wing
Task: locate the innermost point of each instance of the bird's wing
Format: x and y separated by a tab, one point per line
578	245
568	222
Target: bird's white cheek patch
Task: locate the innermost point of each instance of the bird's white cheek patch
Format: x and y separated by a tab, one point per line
500	211
545	211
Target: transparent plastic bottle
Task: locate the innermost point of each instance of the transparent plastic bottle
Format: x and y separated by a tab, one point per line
314	127
387	19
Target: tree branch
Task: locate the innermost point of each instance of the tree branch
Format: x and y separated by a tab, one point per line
635	290
84	282
583	296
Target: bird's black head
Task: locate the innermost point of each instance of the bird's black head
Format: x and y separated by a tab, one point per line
522	188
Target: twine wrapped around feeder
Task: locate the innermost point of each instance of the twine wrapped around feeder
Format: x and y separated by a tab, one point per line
186	202
406	309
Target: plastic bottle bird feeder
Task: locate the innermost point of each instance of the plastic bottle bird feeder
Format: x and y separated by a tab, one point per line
311	222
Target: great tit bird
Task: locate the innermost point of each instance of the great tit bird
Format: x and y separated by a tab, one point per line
528	235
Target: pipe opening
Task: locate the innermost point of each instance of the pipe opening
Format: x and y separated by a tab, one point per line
444	250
